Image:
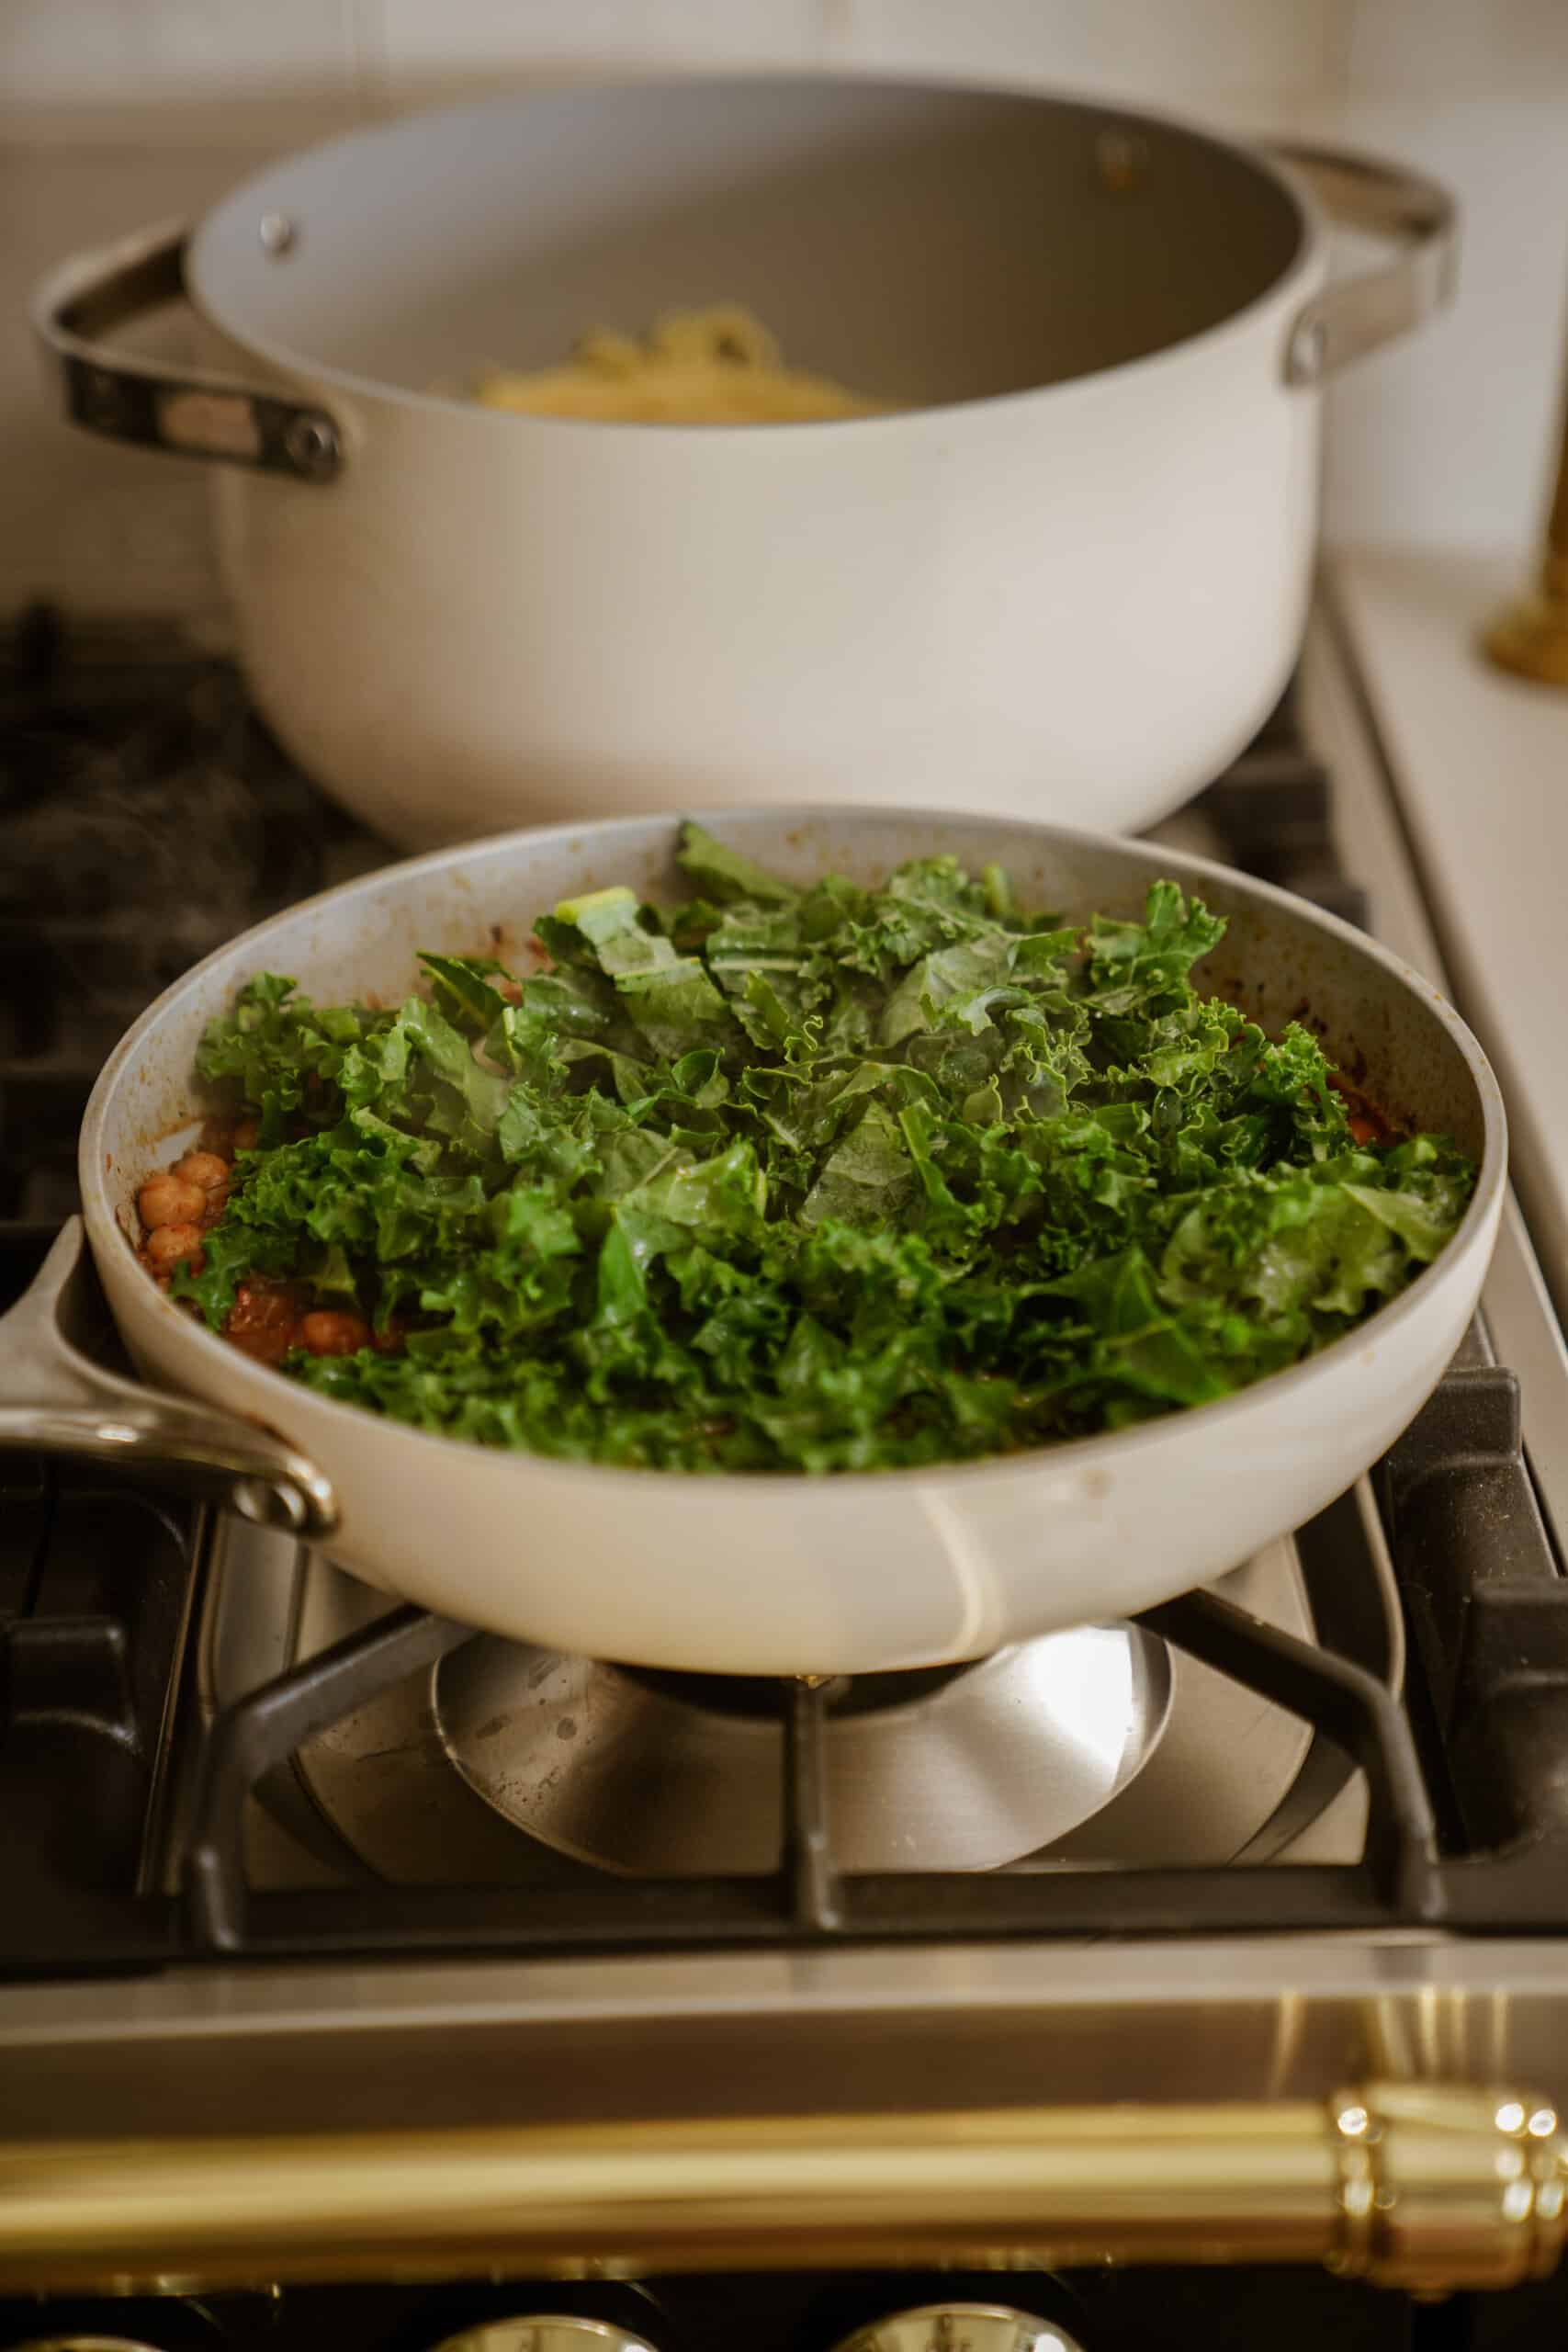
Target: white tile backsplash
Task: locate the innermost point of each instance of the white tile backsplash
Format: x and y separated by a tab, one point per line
118	111
1464	48
1445	438
1160	51
1162	54
415	49
111	53
89	66
87	521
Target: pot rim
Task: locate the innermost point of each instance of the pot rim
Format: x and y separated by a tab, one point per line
1296	280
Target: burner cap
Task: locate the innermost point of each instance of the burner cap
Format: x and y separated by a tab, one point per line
680	1775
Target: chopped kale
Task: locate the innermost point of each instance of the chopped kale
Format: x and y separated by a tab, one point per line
835	1179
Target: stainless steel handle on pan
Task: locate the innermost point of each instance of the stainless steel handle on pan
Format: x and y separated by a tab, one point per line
193	411
1356	314
56	1400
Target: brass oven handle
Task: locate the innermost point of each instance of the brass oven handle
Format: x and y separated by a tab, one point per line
1354	315
56	1400
1411	2184
193	411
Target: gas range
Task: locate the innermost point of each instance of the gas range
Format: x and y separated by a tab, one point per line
363	1982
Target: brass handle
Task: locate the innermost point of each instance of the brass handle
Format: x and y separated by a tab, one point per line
1354	315
1414	2185
56	1400
193	413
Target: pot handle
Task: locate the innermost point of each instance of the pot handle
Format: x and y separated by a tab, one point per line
1357	314
193	411
56	1400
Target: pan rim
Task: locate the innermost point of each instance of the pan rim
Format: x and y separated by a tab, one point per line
1148	1438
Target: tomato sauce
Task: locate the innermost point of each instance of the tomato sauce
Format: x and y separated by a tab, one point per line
1368	1125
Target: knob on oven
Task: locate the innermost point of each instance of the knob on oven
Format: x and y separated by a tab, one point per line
961	2327
544	2332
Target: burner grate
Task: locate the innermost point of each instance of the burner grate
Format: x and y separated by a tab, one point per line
97	1583
1487	1609
810	1896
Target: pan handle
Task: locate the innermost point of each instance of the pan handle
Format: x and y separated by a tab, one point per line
193	411
56	1400
1356	314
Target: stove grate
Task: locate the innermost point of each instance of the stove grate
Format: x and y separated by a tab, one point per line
1401	1882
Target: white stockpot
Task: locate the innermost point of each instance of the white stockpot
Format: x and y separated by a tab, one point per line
1067	582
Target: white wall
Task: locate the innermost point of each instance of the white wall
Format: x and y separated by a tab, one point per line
114	112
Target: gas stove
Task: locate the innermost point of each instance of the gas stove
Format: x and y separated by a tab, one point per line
365	1982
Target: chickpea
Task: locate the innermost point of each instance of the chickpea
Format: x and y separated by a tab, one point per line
247	1135
169	1200
330	1331
204	1168
169	1246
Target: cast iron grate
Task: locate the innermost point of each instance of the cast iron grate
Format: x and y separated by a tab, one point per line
1454	1481
96	1587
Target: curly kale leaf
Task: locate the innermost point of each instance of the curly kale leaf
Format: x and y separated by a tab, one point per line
823	1179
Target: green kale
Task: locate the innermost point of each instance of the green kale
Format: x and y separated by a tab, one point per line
821	1180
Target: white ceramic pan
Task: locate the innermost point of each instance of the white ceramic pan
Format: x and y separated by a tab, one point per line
1067	585
757	1574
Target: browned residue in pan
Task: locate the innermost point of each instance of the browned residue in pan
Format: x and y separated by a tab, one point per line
1368	1123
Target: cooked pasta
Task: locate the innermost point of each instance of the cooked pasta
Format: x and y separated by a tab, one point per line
713	367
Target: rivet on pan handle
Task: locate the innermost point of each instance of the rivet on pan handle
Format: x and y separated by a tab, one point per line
56	1400
1355	314
192	412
